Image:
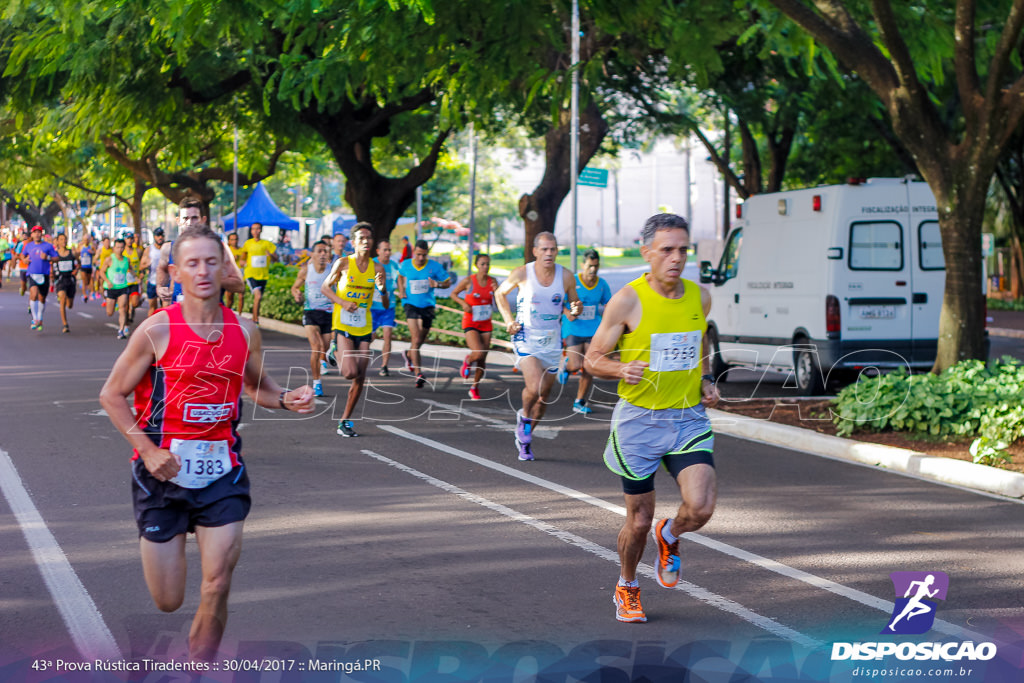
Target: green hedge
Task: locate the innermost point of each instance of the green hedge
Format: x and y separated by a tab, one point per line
279	304
1006	304
970	399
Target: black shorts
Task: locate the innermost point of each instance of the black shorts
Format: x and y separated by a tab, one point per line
573	340
67	285
425	314
673	463
133	289
85	269
44	286
255	284
164	510
321	319
115	294
357	339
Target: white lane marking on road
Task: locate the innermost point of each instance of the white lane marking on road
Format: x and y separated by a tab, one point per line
763	562
545	431
558	488
646	570
83	620
84	315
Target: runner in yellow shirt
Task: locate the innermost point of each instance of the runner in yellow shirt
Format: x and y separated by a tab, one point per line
258	255
134	256
239	256
350	287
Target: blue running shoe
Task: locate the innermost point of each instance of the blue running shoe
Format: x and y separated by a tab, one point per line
580	407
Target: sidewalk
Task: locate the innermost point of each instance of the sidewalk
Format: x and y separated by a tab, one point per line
1006	324
944	470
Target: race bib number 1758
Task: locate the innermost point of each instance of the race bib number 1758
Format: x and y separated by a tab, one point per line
676	351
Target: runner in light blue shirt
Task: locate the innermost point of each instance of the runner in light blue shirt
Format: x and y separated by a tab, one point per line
417	278
577	331
384	318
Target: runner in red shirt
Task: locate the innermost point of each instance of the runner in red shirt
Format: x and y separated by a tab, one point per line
477	306
187	366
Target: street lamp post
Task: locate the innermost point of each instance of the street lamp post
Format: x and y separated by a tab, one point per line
574	145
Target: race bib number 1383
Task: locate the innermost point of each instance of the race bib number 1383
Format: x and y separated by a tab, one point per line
202	462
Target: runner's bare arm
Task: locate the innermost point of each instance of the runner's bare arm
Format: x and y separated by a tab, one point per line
400	287
262	388
622	314
103	272
300	280
709	395
380	280
575	306
460	288
144	346
164	286
501	298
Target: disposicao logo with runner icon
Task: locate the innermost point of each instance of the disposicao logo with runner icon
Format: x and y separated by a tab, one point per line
916	594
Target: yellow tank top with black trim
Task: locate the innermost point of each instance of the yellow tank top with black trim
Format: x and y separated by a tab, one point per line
355	285
669	339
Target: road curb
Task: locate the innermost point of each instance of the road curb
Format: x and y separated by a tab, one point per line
945	470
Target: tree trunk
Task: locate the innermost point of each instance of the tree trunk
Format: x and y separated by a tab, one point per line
962	320
136	207
32	212
751	159
375	198
779	147
539	209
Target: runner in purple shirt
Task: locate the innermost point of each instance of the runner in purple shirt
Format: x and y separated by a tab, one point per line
40	256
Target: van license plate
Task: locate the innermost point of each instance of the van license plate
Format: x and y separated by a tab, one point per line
877	312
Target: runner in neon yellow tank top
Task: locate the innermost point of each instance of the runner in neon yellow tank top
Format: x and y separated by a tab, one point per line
657	323
350	287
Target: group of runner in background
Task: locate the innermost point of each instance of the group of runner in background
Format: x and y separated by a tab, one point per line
115	271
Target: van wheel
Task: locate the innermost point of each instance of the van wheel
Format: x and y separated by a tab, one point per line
719	368
808	375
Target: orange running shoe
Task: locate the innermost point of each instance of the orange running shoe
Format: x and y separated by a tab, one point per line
627	604
667	571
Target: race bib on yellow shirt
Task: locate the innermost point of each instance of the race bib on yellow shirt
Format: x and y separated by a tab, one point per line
676	351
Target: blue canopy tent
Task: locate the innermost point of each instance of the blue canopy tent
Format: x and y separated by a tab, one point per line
261	209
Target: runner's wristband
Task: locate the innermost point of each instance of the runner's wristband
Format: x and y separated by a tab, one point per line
280	399
709	378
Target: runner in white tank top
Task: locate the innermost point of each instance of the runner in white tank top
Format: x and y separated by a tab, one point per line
316	310
545	288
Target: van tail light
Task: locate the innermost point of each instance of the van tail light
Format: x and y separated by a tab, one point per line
832	318
816	202
739	211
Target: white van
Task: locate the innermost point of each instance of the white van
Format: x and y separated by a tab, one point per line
827	281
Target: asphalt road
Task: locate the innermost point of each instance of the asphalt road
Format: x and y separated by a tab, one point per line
425	545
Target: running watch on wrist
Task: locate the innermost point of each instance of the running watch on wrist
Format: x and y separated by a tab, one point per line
709	378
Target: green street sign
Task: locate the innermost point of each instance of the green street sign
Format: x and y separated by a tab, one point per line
594	177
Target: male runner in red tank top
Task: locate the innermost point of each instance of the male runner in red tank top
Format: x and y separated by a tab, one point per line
187	366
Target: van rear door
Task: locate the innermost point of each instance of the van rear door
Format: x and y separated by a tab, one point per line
929	282
877	315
